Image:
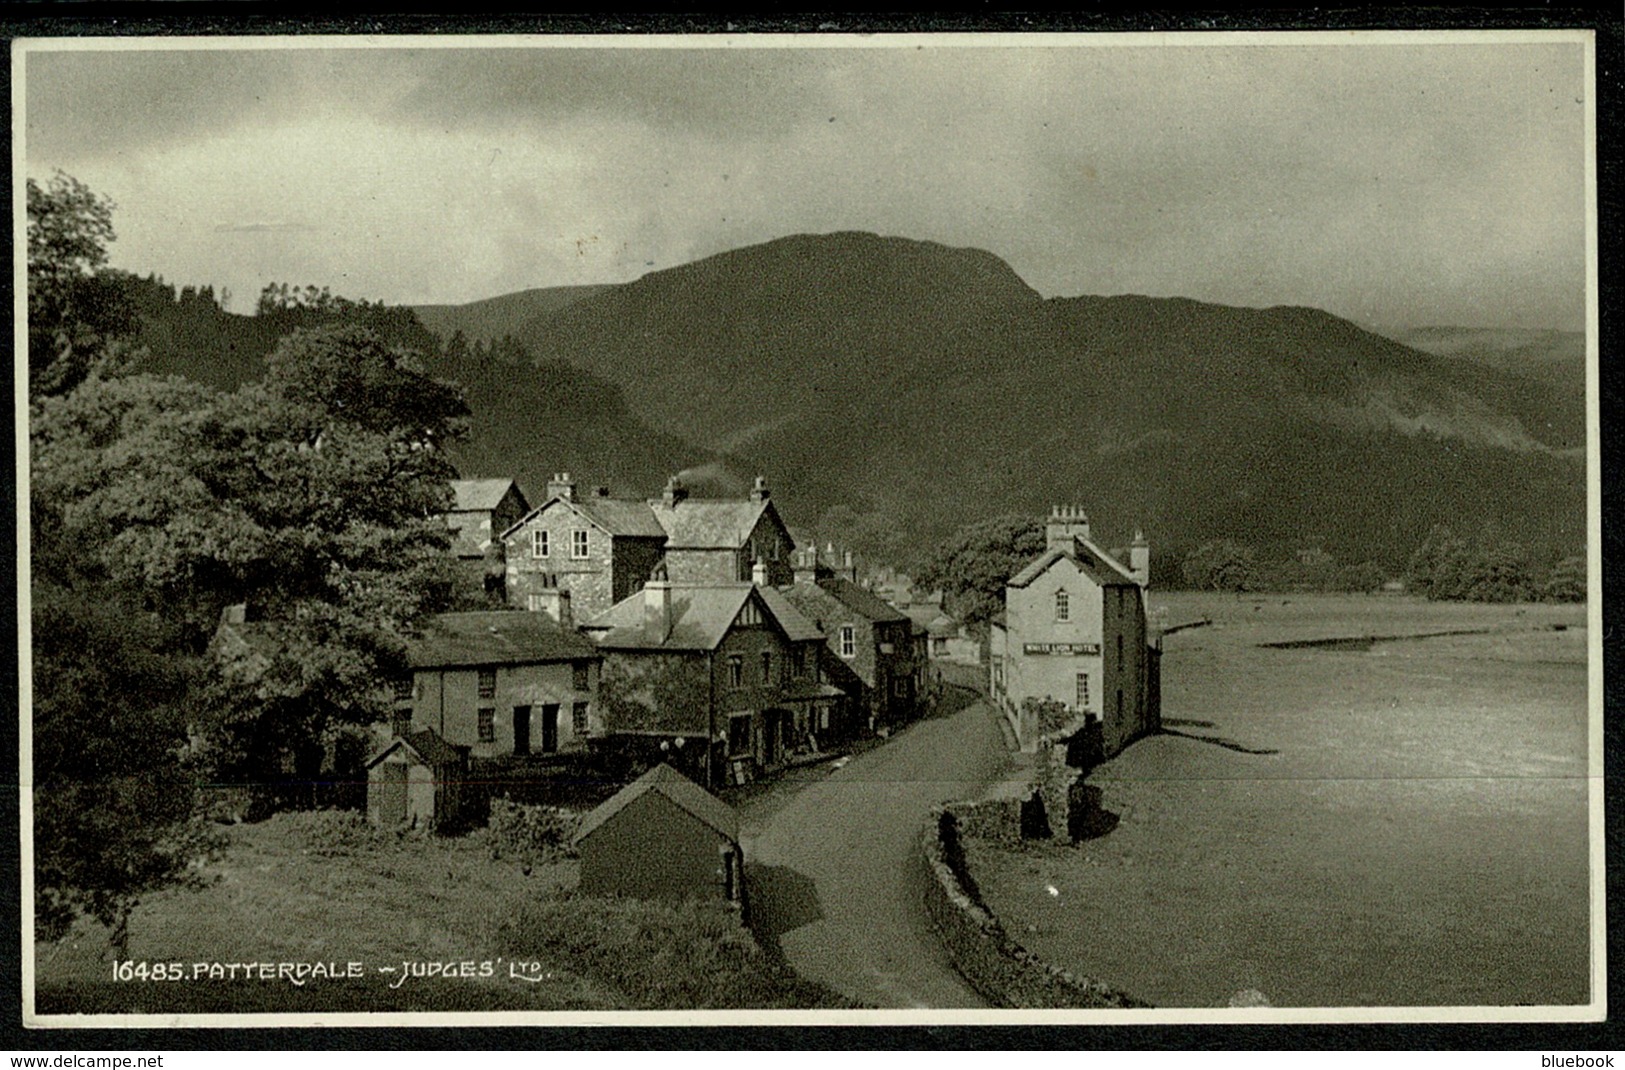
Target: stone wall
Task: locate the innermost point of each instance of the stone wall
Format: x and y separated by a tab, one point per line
999	968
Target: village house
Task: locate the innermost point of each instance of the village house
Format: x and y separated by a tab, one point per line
712	540
481	509
501	683
868	651
662	837
722	679
1074	632
596	549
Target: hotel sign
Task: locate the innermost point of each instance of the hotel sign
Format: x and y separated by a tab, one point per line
1062	649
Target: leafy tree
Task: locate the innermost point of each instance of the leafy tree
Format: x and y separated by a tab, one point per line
112	800
78	310
314	497
1222	565
972	567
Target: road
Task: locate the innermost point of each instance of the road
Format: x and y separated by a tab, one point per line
836	879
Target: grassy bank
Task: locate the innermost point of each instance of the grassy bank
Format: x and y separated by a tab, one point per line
309	888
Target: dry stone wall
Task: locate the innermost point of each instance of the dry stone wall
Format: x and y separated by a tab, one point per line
1000	969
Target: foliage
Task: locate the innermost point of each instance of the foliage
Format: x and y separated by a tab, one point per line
688	955
336	833
77	308
534	835
668	693
112	800
1222	565
972	567
1448	567
1567	582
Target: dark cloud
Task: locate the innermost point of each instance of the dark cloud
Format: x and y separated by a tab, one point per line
1386	181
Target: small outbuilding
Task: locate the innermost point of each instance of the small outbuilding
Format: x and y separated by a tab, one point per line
662	837
418	781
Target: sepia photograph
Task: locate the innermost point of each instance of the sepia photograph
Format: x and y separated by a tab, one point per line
747	528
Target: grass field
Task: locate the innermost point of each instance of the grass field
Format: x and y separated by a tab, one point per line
290	890
1400	826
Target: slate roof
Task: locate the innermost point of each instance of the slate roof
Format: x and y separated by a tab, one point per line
862	601
1095	562
494	637
701	614
475	495
675	787
702	524
617	516
620	516
429	747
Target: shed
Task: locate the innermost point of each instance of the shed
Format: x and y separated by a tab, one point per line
662	837
417	780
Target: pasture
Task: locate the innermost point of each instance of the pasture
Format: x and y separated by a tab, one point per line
1393	826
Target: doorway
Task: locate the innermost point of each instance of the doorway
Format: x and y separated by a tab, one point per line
521	729
550	728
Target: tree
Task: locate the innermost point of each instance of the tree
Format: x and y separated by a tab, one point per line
77	309
972	567
112	799
1222	565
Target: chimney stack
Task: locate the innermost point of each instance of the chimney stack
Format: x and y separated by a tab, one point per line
806	565
848	569
674	492
759	491
555	602
1139	559
657	604
1066	522
561	486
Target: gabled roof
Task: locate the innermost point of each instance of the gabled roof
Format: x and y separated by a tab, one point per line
429	748
476	495
495	637
616	516
861	601
676	788
708	524
1096	563
701	614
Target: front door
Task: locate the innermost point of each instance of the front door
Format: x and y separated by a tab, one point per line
550	728
521	729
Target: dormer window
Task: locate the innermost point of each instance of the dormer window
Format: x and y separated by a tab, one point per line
1063	606
849	641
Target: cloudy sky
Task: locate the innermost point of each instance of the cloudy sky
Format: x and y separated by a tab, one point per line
1400	183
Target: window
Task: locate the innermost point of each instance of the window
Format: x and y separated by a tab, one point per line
404	689
538	544
578	544
739	734
488	683
579	724
400	723
1063	606
736	671
578	676
1083	690
767	668
849	641
798	661
1119	650
1119	705
487	724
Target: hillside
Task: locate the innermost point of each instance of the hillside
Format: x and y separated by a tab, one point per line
893	390
497	317
1556	358
528	420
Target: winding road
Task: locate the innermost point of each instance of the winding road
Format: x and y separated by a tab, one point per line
836	879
